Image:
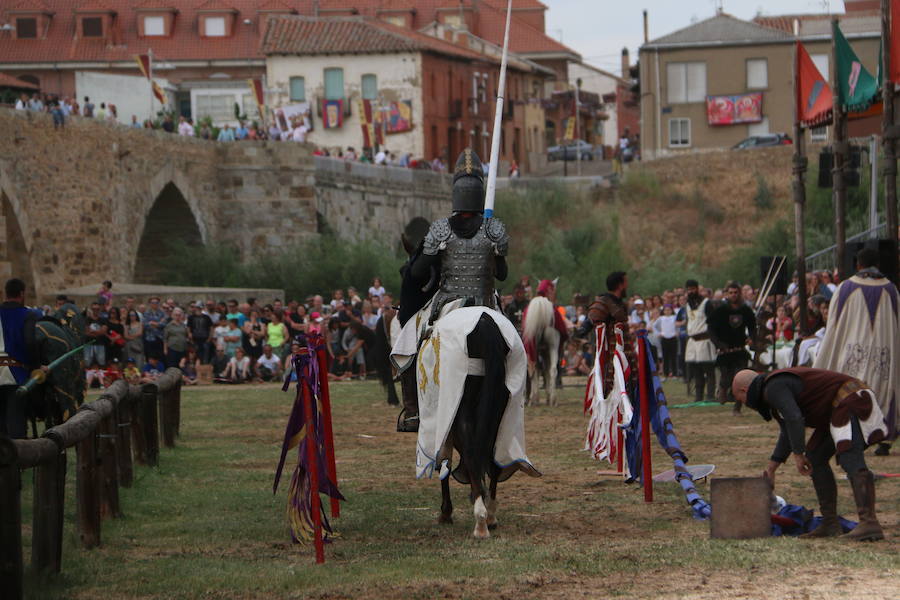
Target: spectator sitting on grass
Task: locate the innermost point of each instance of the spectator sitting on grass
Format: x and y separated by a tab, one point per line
131	373
94	375
238	369
152	370
268	366
112	373
189	365
219	362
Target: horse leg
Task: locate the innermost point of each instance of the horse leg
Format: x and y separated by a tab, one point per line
534	388
392	397
480	510
492	501
446	503
551	374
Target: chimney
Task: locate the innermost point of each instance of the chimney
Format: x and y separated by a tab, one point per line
626	63
646	28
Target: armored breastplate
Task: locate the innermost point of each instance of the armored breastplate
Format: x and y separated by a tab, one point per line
467	268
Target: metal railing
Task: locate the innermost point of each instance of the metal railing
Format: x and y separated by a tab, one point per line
825	259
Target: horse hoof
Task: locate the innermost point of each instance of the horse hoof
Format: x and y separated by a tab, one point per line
445	520
481	532
492	526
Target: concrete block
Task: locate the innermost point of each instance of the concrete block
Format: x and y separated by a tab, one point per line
740	508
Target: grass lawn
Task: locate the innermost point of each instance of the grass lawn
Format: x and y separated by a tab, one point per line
205	524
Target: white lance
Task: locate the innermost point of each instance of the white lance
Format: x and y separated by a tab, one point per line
498	124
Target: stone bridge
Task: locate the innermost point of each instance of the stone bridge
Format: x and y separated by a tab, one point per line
96	201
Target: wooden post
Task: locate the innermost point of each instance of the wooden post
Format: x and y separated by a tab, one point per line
109	479
10	521
150	423
138	436
167	418
176	403
87	492
47	526
889	131
840	149
331	466
799	187
313	466
646	469
123	442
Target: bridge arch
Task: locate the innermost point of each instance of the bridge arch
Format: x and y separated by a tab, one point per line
170	223
15	240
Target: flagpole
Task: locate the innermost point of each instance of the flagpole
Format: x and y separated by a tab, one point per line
888	131
150	77
840	153
498	124
799	170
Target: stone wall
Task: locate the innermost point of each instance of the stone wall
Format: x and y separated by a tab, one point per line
75	201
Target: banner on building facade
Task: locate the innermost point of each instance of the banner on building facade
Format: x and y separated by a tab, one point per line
288	116
371	134
570	128
734	110
256	88
332	113
399	117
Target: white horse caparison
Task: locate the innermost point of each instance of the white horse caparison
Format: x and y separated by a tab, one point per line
539	328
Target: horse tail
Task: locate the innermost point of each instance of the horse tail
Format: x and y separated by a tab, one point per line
493	396
538	317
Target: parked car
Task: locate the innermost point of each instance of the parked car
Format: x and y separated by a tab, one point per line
568	151
760	141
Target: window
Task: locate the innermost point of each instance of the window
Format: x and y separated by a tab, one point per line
818	134
686	82
26	28
757	74
154	26
298	89
679	133
454	21
821	62
395	20
218	106
214	27
761	128
334	84
92	27
369	87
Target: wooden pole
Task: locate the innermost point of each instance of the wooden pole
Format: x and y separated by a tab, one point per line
47	524
331	465
10	521
646	469
109	476
87	492
800	163
150	423
176	404
840	155
167	418
123	442
313	466
889	131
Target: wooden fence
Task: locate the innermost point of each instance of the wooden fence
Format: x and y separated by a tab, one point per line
110	434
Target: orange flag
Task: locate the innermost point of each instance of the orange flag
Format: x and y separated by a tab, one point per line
813	94
143	61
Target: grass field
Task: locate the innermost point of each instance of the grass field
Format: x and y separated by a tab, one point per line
205	524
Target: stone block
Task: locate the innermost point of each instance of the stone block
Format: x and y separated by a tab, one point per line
740	508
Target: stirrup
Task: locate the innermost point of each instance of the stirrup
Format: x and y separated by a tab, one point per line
407	424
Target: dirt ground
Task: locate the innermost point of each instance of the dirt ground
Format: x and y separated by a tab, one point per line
205	524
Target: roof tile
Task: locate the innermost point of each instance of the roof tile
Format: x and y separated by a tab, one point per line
14	82
720	28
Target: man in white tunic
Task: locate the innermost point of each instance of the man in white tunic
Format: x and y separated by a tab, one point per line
862	338
700	352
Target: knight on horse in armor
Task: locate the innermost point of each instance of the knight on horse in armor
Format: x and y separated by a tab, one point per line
456	263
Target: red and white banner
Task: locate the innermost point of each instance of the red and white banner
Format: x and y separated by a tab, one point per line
733	110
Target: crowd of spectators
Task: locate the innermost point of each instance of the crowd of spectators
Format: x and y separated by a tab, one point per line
232	341
294	129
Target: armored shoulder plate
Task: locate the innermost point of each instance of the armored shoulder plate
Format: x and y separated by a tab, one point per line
495	231
438	234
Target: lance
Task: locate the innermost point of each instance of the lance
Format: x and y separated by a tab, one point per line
38	376
498	118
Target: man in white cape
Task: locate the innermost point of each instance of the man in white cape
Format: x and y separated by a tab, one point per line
862	338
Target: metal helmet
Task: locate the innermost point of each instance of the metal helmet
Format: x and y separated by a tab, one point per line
468	183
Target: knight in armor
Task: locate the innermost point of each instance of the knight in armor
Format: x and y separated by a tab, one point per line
460	256
18	355
468	250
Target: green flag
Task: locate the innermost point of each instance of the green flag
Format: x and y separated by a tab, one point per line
856	88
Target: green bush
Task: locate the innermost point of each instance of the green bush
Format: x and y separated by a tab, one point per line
763	199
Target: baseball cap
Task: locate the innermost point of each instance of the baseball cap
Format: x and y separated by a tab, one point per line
317	317
638	301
